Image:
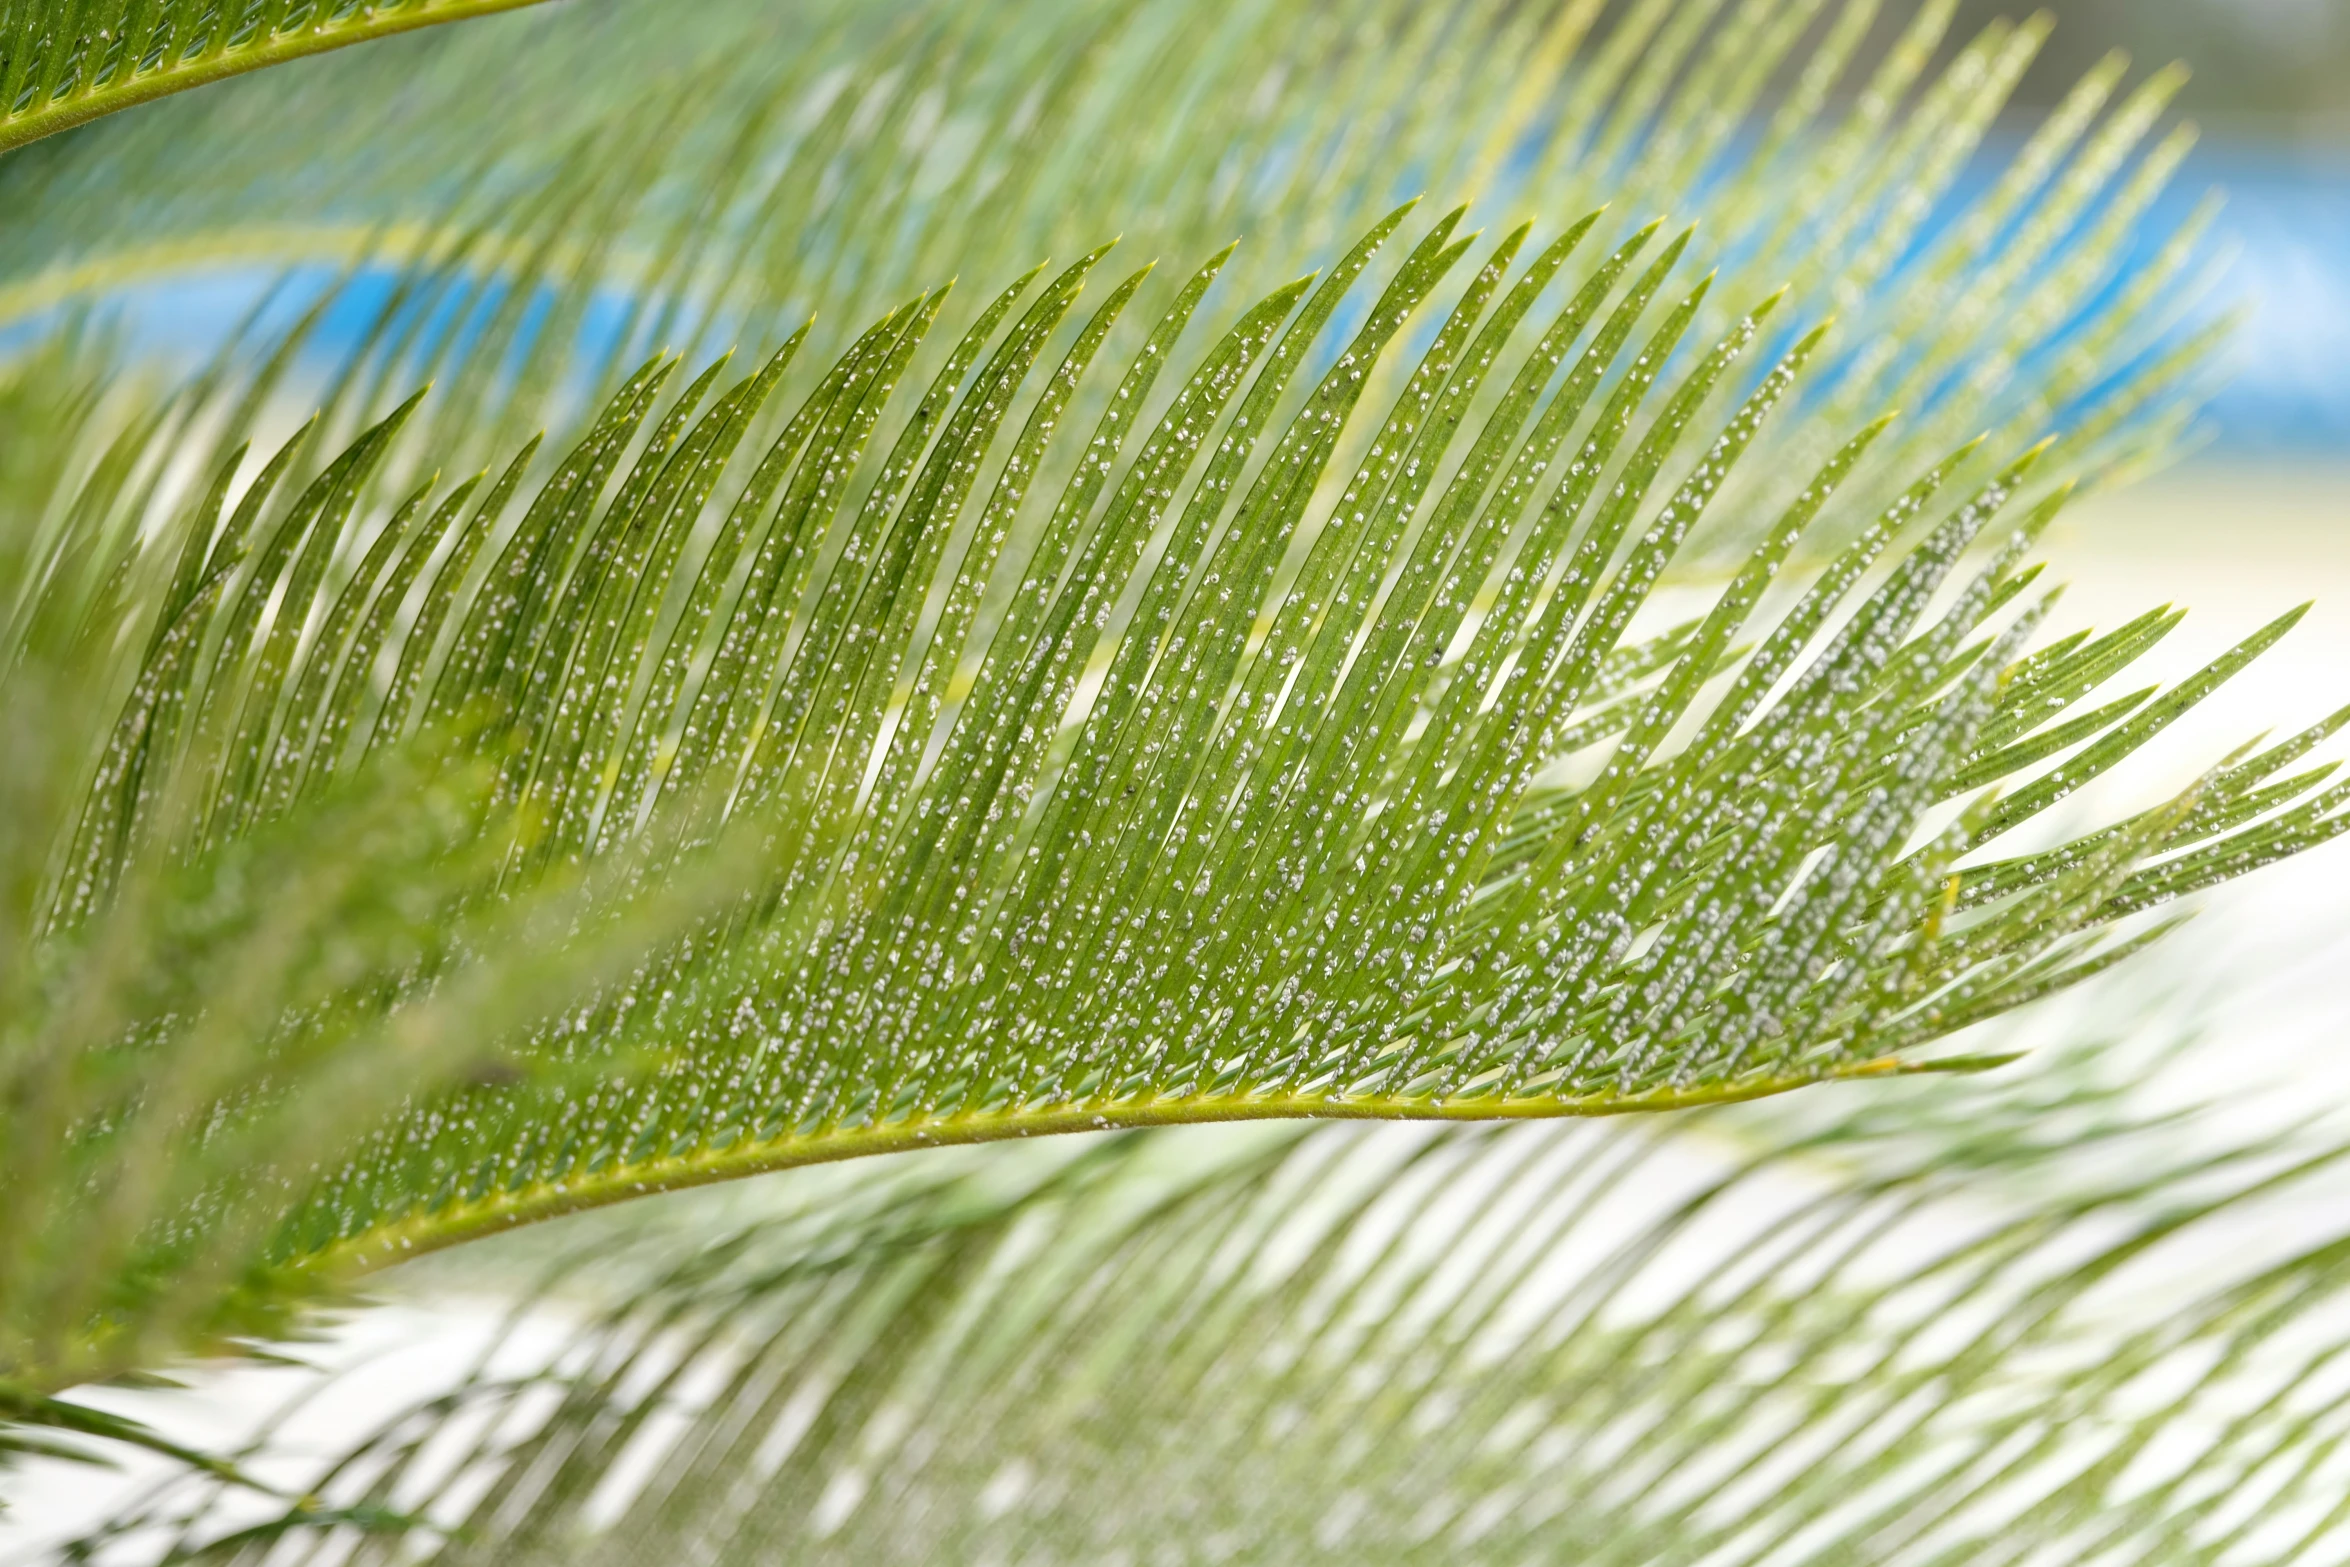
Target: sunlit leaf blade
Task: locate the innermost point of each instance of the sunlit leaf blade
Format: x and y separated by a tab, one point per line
1296	681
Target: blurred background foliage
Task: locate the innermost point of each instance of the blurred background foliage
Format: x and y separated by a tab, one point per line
377	136
2271	87
2265	68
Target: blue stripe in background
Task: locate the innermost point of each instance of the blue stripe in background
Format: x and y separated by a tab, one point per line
2283	237
2288	216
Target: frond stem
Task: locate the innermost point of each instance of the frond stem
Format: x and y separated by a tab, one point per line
459	1222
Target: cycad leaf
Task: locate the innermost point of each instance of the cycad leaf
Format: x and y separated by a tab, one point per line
1250	695
1252	799
844	155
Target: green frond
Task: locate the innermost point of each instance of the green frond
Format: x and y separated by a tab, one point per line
66	62
1235	758
2016	1324
725	173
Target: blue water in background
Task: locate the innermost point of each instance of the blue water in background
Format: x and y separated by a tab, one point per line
2276	260
2287	226
2279	258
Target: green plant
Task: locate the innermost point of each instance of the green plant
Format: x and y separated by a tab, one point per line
1864	1332
1485	678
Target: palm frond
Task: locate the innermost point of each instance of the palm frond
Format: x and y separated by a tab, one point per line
1220	781
2013	1323
725	175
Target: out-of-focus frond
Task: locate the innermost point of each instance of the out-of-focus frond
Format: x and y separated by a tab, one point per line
2017	1325
187	1043
597	183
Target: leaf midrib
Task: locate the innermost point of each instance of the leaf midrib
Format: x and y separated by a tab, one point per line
414	1236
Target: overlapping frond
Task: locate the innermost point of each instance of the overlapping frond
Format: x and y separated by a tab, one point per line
66	62
188	1048
2020	1325
545	199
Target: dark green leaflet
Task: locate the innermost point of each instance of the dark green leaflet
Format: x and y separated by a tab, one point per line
440	597
783	547
766	629
293	563
351	687
310	682
526	569
648	574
